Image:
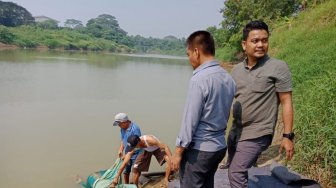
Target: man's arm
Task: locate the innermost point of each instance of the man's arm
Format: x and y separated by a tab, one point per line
122	167
153	141
121	149
191	117
287	116
165	147
176	158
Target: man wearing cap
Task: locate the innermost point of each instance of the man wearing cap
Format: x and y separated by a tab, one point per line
127	129
152	146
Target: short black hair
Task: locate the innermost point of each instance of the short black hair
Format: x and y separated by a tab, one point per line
133	140
254	25
202	39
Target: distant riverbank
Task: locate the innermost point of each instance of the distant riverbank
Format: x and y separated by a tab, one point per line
7	46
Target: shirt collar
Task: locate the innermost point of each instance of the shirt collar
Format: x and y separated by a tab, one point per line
129	127
205	65
259	63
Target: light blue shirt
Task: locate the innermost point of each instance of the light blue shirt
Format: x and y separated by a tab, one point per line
133	129
207	109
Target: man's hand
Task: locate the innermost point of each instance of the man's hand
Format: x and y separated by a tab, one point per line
175	162
114	183
176	158
289	147
120	154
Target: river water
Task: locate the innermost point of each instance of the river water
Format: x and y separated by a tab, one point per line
57	109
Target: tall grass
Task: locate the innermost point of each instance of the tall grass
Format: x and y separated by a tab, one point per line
308	44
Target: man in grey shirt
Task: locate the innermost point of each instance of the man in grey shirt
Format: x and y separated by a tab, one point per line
262	84
200	145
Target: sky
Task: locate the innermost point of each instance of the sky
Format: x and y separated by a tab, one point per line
148	18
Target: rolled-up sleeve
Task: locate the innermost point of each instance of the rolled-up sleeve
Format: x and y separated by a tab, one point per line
192	113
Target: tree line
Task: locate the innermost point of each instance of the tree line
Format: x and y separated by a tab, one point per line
104	32
93	36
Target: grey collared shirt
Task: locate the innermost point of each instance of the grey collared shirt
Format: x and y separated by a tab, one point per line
255	109
207	108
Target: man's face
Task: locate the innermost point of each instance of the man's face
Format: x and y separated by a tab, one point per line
123	125
193	56
256	44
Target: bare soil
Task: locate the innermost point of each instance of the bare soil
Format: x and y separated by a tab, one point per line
7	46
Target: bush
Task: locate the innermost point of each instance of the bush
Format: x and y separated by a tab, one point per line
26	43
52	43
6	36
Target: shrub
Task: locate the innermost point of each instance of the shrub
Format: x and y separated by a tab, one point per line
5	35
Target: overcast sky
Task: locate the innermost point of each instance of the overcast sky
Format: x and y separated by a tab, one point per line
155	18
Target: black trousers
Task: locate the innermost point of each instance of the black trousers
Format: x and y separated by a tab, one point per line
198	168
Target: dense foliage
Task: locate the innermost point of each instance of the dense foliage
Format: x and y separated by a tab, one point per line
6	36
101	33
12	15
237	13
73	24
105	26
48	24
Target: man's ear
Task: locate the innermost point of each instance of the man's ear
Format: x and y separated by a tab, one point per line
243	43
197	53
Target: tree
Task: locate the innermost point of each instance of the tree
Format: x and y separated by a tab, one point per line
237	13
107	27
48	24
73	24
170	37
12	15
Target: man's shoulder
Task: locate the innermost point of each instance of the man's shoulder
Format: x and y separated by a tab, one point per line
276	65
237	67
277	62
135	127
150	137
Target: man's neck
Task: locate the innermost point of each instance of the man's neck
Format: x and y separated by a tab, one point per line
206	59
251	62
128	126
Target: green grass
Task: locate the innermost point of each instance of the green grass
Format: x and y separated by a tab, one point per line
308	44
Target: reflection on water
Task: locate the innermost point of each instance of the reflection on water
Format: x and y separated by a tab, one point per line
57	108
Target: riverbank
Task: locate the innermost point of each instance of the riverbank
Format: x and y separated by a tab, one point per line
8	46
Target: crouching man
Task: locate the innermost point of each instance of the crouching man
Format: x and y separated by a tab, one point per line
151	146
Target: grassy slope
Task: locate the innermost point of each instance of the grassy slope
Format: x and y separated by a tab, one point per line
32	37
308	44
